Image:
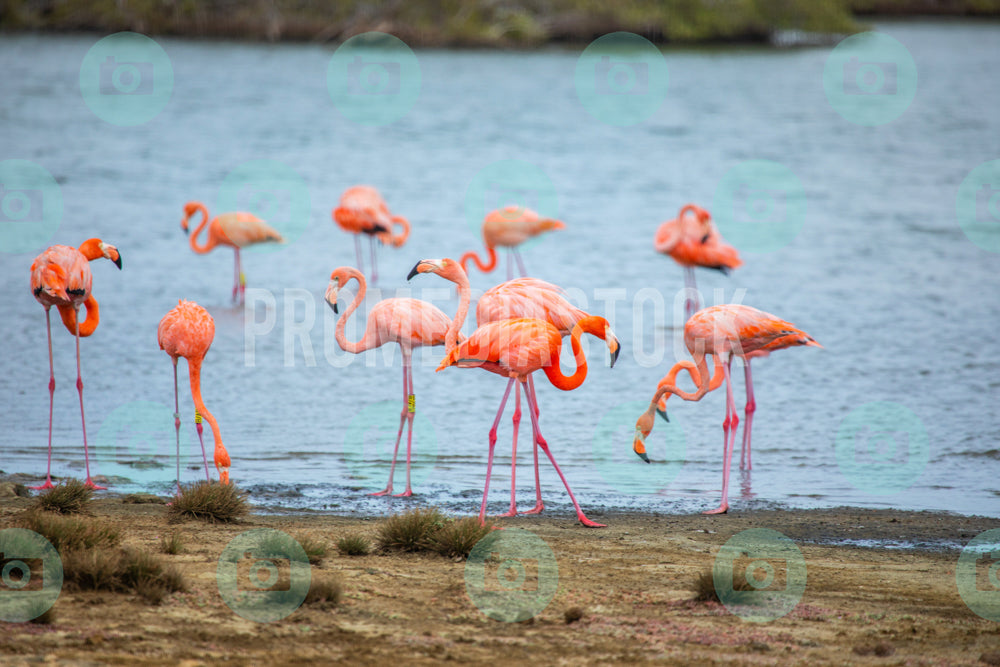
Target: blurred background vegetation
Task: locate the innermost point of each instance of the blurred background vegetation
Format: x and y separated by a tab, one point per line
476	23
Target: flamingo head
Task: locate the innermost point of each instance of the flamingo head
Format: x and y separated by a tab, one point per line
614	347
447	268
550	224
190	209
643	427
338	279
108	251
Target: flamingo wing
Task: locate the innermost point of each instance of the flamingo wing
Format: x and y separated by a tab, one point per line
408	322
244	229
61	276
186	331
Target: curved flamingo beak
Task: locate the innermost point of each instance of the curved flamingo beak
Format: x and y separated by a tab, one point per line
331	295
425	266
639	446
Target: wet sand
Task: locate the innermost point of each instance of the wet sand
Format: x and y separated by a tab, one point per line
632	580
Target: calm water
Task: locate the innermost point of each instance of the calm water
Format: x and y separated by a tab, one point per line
881	273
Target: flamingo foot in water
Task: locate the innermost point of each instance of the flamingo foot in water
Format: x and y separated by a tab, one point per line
721	509
404	494
384	492
91	485
537	509
47	485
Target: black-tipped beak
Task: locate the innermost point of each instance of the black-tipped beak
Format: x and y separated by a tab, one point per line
663	413
186	232
614	356
334	306
645	457
118	262
413	271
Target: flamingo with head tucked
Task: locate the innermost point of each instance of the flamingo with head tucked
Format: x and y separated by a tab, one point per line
61	277
509	227
236	230
691	239
410	323
723	332
362	210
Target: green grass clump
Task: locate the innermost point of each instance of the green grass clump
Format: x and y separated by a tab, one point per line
409	531
209	501
315	549
456	538
67	497
172	544
68	533
354	545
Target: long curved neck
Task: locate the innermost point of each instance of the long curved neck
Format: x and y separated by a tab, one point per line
193	238
399	239
554	372
698	370
473	257
89	324
464	297
221	455
341	333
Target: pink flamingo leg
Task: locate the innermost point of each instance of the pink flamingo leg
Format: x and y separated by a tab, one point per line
411	399
510	264
357	252
177	428
241	277
489	460
374	264
729	426
691	305
520	264
236	273
387	491
52	390
516	423
532	403
751	407
539	505
83	420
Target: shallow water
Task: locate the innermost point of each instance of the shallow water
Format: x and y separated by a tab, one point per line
880	273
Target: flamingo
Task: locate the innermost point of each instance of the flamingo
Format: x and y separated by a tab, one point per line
536	299
724	332
61	277
516	348
693	240
509	227
237	230
187	331
362	210
410	323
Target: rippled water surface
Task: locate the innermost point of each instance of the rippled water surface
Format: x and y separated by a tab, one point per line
881	274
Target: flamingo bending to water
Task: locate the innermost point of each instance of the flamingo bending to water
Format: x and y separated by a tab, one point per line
410	323
61	277
236	230
723	332
515	349
693	240
188	331
362	210
509	227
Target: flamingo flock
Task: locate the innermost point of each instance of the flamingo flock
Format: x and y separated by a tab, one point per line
521	325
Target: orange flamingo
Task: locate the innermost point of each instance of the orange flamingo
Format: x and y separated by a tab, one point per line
362	210
509	227
514	349
693	240
188	331
61	277
723	332
237	230
410	323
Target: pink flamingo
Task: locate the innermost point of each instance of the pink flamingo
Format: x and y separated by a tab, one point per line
61	277
362	210
410	323
723	332
236	230
509	227
693	240
188	331
515	349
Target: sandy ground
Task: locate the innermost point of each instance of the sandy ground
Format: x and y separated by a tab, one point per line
632	580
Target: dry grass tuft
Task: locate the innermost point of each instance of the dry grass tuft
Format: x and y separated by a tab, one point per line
573	614
315	549
324	593
704	586
143	499
354	545
172	544
409	531
209	501
68	497
456	538
121	570
68	533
